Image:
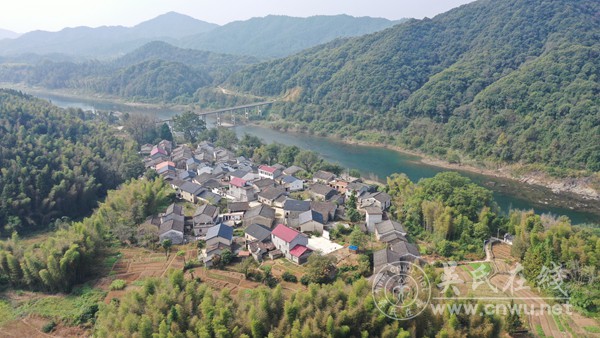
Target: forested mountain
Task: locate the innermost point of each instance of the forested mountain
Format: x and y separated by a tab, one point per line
506	81
268	37
55	162
279	36
6	34
105	41
156	71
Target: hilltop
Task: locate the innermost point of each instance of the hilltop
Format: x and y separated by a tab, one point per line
497	81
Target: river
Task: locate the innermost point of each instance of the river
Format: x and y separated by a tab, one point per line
375	162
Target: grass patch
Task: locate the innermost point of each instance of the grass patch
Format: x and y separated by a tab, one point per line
110	261
118	284
558	322
592	329
486	267
539	331
6	313
217	276
76	308
139	282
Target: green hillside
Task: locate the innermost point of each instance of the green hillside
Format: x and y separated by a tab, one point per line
506	81
55	163
280	36
156	71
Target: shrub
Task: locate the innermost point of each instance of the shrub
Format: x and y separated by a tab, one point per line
289	277
305	280
117	284
49	327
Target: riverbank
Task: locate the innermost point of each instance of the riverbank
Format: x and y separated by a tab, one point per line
583	188
377	161
84	96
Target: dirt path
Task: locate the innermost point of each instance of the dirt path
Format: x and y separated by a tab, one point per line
573	322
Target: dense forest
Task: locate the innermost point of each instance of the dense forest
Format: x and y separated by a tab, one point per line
503	81
70	254
56	163
156	72
180	307
449	211
279	36
543	241
451	217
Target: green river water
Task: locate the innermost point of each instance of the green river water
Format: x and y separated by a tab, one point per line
375	162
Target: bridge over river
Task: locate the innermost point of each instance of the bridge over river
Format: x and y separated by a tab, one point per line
232	111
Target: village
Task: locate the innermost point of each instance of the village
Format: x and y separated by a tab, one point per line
268	211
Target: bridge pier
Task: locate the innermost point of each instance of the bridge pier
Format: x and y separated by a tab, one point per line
218	120
233	118
246	113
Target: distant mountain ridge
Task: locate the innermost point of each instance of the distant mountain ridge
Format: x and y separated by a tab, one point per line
268	37
6	34
106	41
504	81
278	36
156	72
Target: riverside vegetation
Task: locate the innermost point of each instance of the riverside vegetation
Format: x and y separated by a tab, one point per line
447	210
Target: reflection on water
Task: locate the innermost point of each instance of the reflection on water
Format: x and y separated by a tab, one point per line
378	163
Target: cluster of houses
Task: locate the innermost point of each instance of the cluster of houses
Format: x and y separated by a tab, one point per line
233	191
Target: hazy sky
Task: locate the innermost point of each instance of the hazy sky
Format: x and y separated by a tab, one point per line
26	15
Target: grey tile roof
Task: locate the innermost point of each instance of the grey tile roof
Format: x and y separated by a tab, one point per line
289	179
220	230
260	210
295	205
324	175
404	248
191	188
207	209
239	173
212	184
174	208
389	226
271	193
238	206
292	170
171	224
258	231
264	182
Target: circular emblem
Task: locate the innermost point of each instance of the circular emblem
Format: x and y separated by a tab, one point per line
401	290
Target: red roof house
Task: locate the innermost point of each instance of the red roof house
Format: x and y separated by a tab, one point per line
157	150
238	182
291	243
266	171
298	250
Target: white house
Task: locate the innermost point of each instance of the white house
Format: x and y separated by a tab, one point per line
377	199
292	244
266	171
374	216
240	190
